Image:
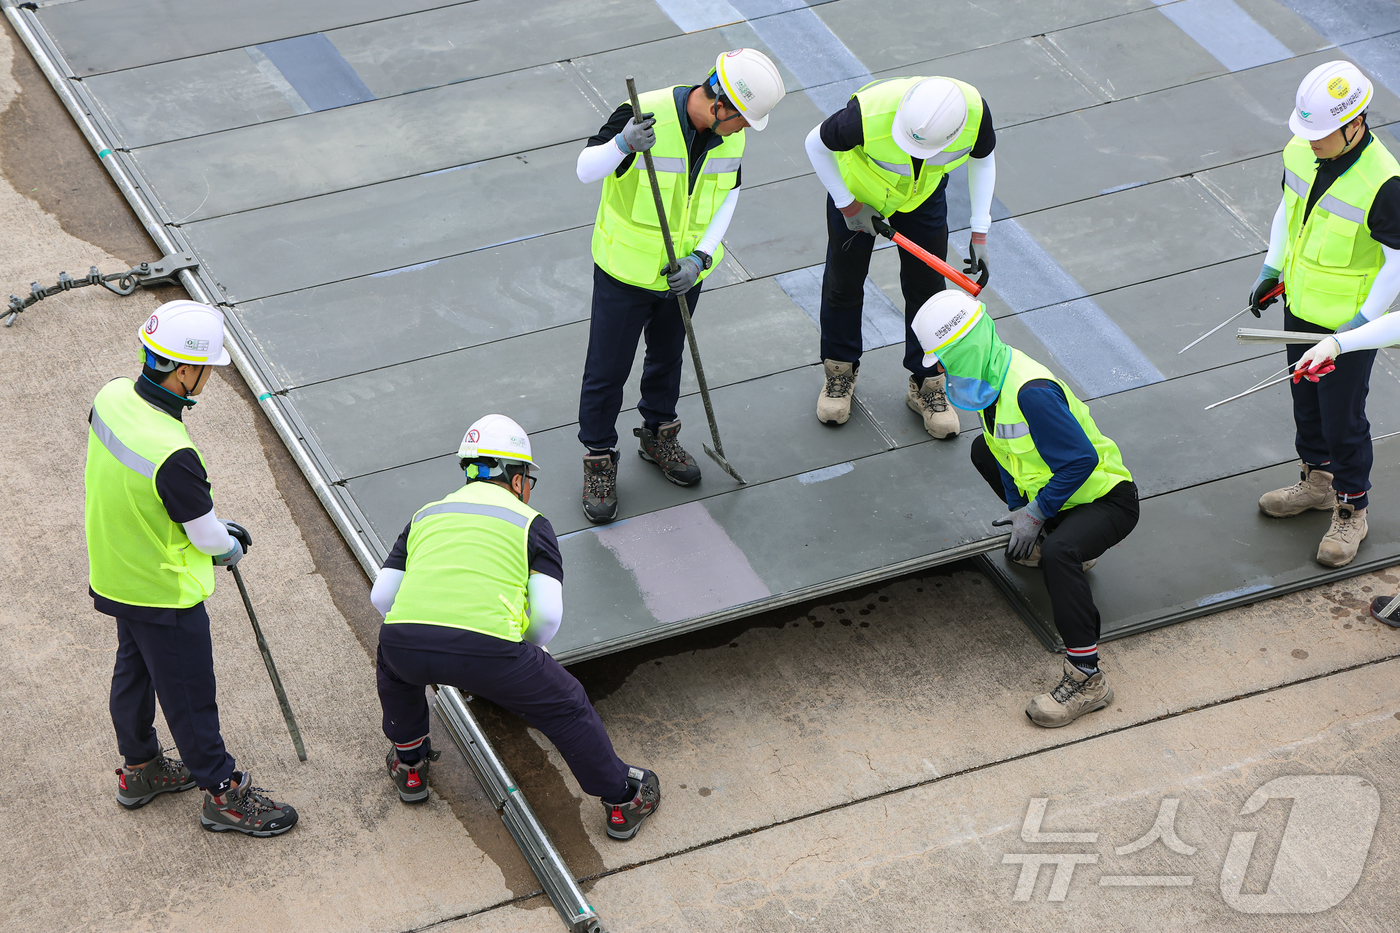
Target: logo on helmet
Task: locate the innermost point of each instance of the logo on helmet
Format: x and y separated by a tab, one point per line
917	136
152	324
473	436
199	346
1305	114
517	441
743	88
1338	87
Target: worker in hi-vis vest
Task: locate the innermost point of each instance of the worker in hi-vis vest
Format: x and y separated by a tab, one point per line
1335	244
471	593
1070	495
153	542
696	137
887	154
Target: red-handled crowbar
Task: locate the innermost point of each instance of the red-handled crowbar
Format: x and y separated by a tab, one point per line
933	262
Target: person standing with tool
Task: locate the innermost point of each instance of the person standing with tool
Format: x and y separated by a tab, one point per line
887	154
1070	494
153	542
696	137
1335	243
471	593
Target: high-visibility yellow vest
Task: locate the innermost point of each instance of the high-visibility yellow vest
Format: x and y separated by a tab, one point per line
136	553
881	174
1011	443
468	564
627	242
1331	261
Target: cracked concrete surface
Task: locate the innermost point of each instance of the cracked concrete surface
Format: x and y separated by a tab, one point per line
861	763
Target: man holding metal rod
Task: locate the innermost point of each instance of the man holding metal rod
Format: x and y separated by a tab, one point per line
887	154
696	136
153	542
1335	242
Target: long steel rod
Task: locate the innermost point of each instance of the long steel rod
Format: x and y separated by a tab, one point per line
1259	335
271	666
1271	293
169	241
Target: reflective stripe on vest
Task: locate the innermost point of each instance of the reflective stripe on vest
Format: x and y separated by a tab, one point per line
1331	260
1014	448
881	174
627	242
137	554
468	564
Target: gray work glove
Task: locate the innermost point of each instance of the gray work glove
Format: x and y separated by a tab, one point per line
1026	526
684	278
637	137
976	262
242	542
860	217
1268	278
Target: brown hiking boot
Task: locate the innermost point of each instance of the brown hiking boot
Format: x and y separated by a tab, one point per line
600	487
665	451
930	401
1076	694
834	402
137	787
1312	491
1338	547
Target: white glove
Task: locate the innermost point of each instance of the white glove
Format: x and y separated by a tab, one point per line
1318	361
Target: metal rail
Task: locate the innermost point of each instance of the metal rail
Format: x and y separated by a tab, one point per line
534	842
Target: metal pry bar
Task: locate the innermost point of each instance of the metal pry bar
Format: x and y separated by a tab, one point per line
1271	293
1250	391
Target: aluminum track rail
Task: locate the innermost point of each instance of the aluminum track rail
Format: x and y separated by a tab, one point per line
495	780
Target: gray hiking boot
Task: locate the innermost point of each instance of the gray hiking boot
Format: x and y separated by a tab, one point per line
245	809
411	780
1348	530
834	402
930	401
600	487
161	775
1312	491
624	819
1076	694
665	451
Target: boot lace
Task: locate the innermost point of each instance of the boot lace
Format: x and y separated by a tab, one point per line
838	386
1067	688
932	396
666	448
599	483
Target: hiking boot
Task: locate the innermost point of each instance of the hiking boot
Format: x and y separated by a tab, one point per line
665	451
161	775
1338	547
1312	491
834	402
1034	560
411	780
600	487
1076	694
245	809
931	402
1378	607
624	819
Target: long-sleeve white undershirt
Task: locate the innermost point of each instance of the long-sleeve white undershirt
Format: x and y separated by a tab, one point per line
1278	237
1383	329
208	535
545	594
981	180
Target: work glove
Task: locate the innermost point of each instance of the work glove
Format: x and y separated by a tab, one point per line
860	218
1318	361
1268	278
242	542
976	262
684	278
1026	526
637	137
1353	324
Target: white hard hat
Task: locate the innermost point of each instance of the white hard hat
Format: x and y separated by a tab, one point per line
498	438
750	82
931	115
945	319
1330	97
186	331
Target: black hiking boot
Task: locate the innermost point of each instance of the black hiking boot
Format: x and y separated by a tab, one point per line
665	451
600	487
161	775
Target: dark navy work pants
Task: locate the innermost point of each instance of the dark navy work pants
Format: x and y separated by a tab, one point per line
622	313
522	678
1330	415
175	663
848	263
1072	536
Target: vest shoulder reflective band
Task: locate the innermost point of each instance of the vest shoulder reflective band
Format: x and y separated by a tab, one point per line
468	564
1331	260
1011	443
627	242
136	554
881	174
